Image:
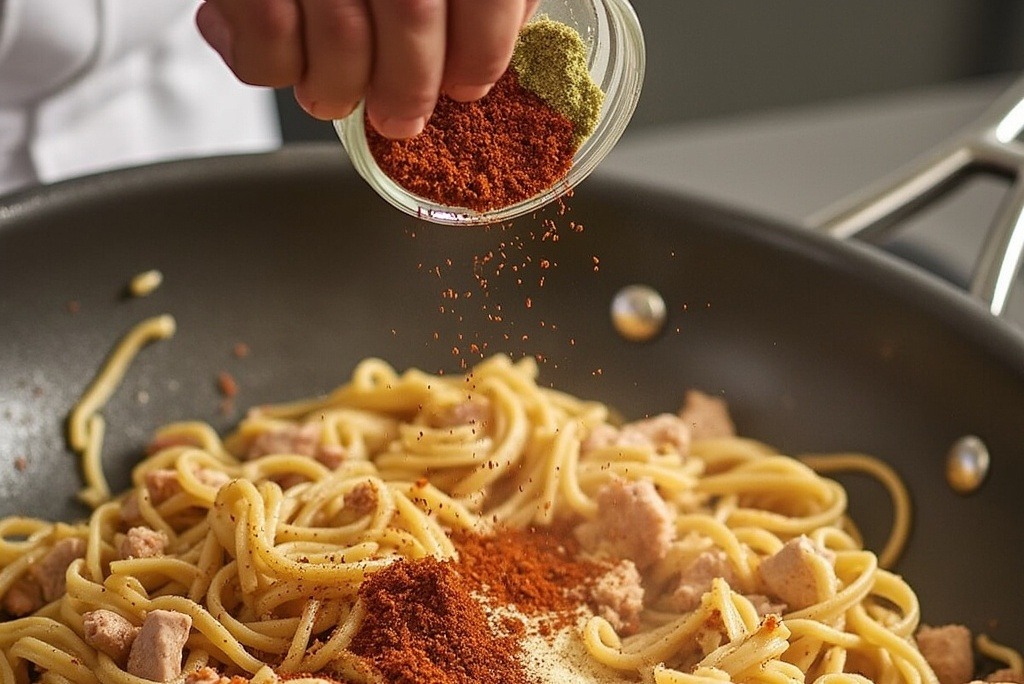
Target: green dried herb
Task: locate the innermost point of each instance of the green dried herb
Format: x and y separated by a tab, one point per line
551	60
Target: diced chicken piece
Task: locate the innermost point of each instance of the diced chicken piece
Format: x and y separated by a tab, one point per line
289	438
695	579
331	455
157	650
304	440
107	631
800	574
162	484
1006	676
131	514
661	432
142	542
51	569
618	597
706	416
474	411
212	478
362	499
633	522
24	597
948	650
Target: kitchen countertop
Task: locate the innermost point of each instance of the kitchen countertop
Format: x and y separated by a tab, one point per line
790	164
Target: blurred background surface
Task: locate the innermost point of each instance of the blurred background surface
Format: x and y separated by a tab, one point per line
718	58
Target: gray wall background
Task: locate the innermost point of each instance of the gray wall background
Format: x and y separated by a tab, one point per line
716	58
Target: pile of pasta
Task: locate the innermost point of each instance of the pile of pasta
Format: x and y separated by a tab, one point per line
265	549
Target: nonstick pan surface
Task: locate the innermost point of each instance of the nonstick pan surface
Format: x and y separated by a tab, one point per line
817	345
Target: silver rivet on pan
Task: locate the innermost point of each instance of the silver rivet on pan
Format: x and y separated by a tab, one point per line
638	312
967	464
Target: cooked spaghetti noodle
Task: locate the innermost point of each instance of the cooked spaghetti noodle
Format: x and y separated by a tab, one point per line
266	537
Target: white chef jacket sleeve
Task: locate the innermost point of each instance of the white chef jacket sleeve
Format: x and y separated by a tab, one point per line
92	85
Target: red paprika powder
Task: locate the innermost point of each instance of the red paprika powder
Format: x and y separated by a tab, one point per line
423	626
484	155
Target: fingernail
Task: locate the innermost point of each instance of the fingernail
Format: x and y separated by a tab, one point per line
216	30
325	111
468	93
401	128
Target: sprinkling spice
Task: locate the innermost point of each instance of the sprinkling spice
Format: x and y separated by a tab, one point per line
514	143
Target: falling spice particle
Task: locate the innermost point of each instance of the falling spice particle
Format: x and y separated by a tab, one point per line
73	306
227	385
240	350
20	464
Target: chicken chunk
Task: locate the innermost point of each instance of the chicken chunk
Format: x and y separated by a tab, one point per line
661	432
695	579
618	597
110	633
24	597
51	569
633	522
948	650
304	440
156	652
362	499
162	484
706	416
142	542
800	574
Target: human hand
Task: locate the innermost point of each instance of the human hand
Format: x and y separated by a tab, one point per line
398	55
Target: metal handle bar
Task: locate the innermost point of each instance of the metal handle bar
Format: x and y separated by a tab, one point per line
989	145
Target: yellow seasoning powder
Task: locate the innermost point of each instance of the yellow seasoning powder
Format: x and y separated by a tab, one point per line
550	59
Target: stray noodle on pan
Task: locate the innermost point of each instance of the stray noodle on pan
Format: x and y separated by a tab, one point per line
411	527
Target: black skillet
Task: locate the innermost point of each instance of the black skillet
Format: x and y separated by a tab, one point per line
817	344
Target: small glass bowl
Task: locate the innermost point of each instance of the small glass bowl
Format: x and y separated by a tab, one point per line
616	57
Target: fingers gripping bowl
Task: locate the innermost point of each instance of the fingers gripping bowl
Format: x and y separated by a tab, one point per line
615	58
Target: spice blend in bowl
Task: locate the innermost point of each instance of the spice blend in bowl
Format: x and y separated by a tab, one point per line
566	98
482	155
